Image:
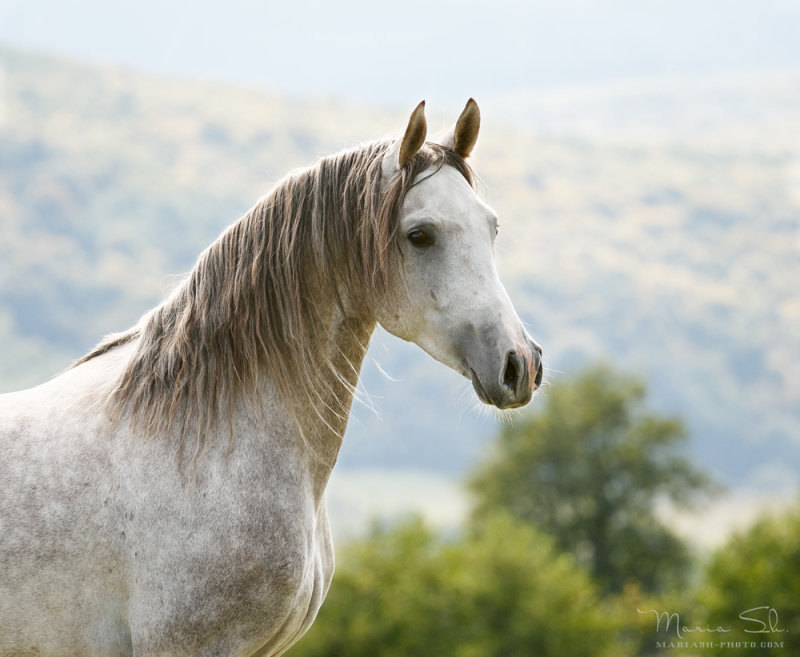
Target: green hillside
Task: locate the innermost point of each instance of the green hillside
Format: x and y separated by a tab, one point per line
110	181
678	257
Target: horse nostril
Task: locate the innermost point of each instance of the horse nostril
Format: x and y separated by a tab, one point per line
537	363
512	371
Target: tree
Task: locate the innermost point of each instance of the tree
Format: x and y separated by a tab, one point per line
502	590
588	468
752	588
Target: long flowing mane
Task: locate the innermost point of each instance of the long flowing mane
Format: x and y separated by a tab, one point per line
258	299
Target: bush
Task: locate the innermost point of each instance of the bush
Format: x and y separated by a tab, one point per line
501	590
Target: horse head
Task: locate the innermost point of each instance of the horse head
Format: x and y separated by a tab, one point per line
448	298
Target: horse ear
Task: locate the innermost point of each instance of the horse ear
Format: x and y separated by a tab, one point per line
405	149
462	138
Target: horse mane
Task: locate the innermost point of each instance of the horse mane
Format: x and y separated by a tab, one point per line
257	298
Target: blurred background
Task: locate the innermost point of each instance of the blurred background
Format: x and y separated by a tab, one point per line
644	158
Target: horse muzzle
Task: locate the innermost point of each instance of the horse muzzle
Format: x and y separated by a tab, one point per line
513	383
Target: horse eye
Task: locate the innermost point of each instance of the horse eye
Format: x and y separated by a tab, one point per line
419	238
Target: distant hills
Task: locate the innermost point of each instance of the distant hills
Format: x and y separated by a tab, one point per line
672	249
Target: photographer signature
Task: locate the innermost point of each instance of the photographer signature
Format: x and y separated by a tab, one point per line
761	620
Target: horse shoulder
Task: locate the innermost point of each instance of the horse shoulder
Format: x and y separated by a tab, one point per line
246	544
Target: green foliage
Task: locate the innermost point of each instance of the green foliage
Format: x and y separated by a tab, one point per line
588	468
755	572
502	590
639	631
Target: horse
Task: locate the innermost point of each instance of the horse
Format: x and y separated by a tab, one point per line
165	495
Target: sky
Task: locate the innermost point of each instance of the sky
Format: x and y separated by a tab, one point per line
391	54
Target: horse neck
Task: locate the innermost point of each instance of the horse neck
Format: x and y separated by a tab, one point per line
322	428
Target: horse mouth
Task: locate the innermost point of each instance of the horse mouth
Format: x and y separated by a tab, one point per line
478	387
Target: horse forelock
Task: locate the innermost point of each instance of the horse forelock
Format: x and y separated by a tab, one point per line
260	299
